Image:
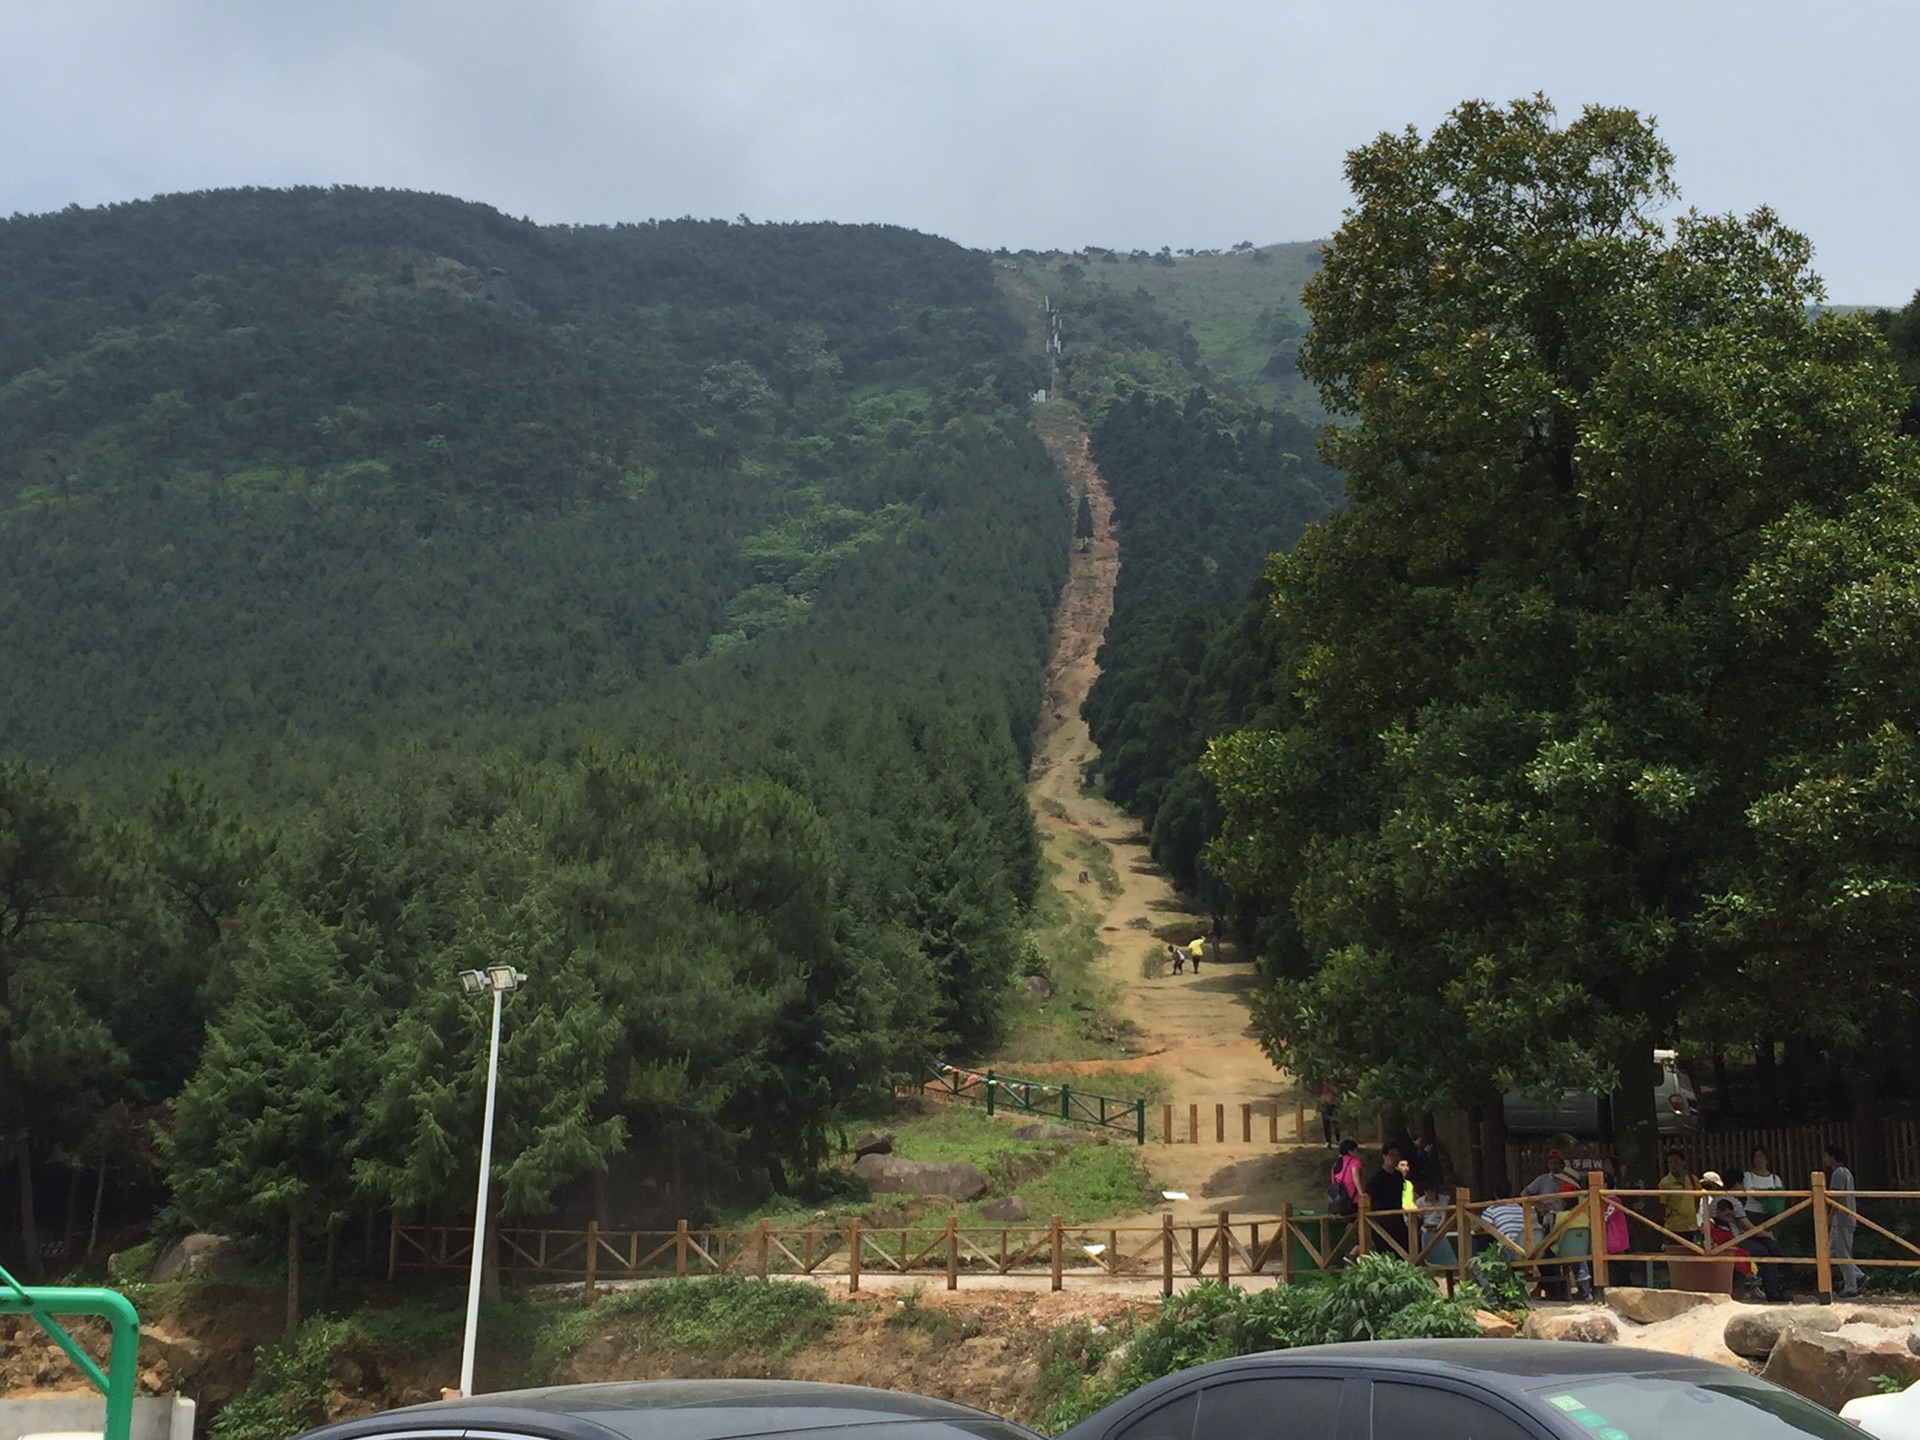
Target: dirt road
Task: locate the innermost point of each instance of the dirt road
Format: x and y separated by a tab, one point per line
1194	1030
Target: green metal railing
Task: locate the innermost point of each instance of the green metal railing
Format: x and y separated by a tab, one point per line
47	1302
1031	1097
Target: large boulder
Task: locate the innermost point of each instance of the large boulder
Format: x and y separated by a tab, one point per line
1833	1368
1034	989
1494	1327
889	1173
1595	1327
1650	1307
874	1142
1040	1130
1752	1334
1009	1211
217	1257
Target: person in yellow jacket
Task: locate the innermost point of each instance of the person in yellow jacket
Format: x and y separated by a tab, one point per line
1197	952
1680	1211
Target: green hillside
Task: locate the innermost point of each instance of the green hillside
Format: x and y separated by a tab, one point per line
1241	307
660	609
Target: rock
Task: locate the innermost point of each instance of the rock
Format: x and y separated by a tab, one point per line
1833	1369
218	1257
182	1356
1752	1334
889	1173
1034	989
1494	1327
874	1142
1594	1327
1008	1210
1040	1130
1650	1307
1873	1315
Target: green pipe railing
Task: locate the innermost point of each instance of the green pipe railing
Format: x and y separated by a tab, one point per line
46	1302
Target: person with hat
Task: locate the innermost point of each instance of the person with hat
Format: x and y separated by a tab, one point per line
1555	1194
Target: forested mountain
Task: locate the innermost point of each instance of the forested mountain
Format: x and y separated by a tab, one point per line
1208	442
660	607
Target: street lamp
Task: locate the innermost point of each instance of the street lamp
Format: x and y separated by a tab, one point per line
499	979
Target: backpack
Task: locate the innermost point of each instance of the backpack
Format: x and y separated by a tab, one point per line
1339	1200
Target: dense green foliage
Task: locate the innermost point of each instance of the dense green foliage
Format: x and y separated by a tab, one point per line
1379	1297
660	609
1604	655
1203	491
1902	329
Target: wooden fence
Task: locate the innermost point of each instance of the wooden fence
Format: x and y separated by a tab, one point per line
999	1093
1544	1237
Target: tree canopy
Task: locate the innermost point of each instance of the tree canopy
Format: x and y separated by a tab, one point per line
1541	703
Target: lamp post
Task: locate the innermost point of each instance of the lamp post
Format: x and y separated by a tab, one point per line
499	979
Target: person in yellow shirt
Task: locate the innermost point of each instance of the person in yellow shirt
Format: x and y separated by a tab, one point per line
1682	1213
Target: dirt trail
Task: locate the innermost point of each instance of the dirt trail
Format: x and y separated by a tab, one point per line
1193	1030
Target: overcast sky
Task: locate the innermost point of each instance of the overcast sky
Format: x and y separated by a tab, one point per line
1046	124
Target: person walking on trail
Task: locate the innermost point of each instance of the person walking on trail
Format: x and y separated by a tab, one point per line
1841	1223
1197	952
1386	1196
1329	1119
1179	958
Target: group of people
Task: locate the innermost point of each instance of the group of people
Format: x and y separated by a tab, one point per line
1412	1187
1731	1222
1180	956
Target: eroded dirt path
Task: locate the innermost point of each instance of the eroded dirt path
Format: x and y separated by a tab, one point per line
1194	1030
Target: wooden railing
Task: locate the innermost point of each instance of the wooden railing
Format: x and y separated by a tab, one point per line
1061	1102
1446	1238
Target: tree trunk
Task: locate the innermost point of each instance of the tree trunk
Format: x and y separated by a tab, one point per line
1490	1178
293	1275
1636	1130
1766	1076
99	1200
29	1229
1869	1160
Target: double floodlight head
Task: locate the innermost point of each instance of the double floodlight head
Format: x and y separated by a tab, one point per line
502	978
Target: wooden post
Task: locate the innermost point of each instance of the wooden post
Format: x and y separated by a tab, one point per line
1273	1123
393	1246
1056	1252
593	1253
1822	1255
760	1245
1246	1122
680	1251
1225	1247
1300	1121
1463	1232
953	1252
1166	1124
1193	1124
1219	1123
1360	1216
853	1255
1596	1235
1286	1242
1166	1254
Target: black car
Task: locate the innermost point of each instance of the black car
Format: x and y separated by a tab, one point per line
1462	1390
683	1410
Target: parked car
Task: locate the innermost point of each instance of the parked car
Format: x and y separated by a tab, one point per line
1577	1112
1462	1390
683	1410
1886	1417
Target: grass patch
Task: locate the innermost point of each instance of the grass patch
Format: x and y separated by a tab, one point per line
1097	857
1076	1022
1089	1183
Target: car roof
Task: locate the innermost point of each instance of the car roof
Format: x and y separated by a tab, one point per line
1517	1362
688	1410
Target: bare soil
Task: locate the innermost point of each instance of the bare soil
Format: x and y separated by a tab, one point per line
1194	1030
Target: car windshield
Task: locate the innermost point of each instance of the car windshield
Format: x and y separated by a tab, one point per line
1656	1407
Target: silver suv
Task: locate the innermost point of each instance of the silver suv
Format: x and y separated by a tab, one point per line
1577	1112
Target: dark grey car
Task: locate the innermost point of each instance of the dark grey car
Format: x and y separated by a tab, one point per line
1462	1390
683	1410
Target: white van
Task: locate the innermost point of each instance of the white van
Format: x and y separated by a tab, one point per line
1577	1112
